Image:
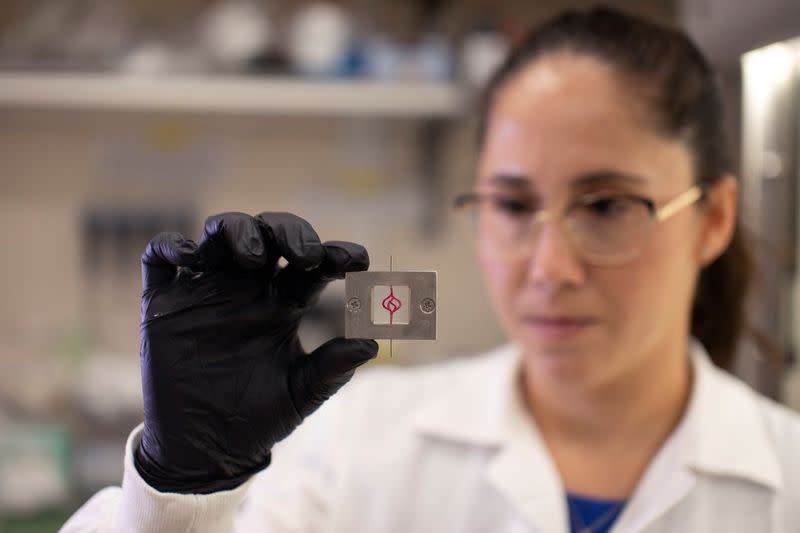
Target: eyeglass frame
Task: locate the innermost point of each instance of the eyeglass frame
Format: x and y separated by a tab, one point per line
657	213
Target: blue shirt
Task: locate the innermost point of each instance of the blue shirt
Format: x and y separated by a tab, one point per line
589	514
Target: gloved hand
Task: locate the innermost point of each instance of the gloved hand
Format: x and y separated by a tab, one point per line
223	373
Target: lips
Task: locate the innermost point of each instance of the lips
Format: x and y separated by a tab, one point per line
558	327
563	321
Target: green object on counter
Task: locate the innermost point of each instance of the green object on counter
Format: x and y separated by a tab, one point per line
40	522
34	475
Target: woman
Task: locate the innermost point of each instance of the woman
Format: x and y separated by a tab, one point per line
607	231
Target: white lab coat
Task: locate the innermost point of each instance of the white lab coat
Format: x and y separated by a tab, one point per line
449	447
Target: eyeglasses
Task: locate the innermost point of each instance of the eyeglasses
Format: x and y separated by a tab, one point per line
605	228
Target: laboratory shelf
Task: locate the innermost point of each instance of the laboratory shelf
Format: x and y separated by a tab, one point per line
236	95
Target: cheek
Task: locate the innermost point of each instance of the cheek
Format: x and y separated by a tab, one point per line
627	291
503	280
651	294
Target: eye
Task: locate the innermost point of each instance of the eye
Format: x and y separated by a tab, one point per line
609	206
509	205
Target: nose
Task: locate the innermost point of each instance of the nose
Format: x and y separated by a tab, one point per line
554	263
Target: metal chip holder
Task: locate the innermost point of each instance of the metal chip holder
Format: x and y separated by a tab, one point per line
390	305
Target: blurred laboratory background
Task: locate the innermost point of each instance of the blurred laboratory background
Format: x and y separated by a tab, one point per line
123	118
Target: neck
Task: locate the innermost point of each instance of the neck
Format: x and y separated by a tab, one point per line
640	407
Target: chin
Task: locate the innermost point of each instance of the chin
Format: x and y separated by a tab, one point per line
561	359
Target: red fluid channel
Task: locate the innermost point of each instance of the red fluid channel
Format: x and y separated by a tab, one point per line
391	304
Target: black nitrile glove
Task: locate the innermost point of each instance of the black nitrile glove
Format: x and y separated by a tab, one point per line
223	373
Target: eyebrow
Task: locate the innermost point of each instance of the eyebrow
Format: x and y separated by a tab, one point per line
511	180
603	177
598	177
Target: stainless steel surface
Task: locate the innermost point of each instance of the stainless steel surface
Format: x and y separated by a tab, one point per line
422	305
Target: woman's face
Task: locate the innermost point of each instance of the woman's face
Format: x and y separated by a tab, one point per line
563	128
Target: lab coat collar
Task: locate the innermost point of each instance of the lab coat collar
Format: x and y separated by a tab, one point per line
727	435
475	409
721	434
485	408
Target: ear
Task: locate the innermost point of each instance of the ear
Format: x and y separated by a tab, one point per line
719	219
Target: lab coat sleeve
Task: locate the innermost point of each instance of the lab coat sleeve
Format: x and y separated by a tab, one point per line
137	507
292	495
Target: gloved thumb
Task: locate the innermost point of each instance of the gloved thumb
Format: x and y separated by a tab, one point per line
326	369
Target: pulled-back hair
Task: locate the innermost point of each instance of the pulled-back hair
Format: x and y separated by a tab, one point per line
683	101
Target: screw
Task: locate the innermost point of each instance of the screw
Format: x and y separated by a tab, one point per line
427	306
354	305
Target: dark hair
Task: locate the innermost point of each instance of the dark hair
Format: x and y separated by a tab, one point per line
684	101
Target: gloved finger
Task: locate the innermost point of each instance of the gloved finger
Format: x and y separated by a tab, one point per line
232	238
342	257
293	238
326	369
163	255
303	286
